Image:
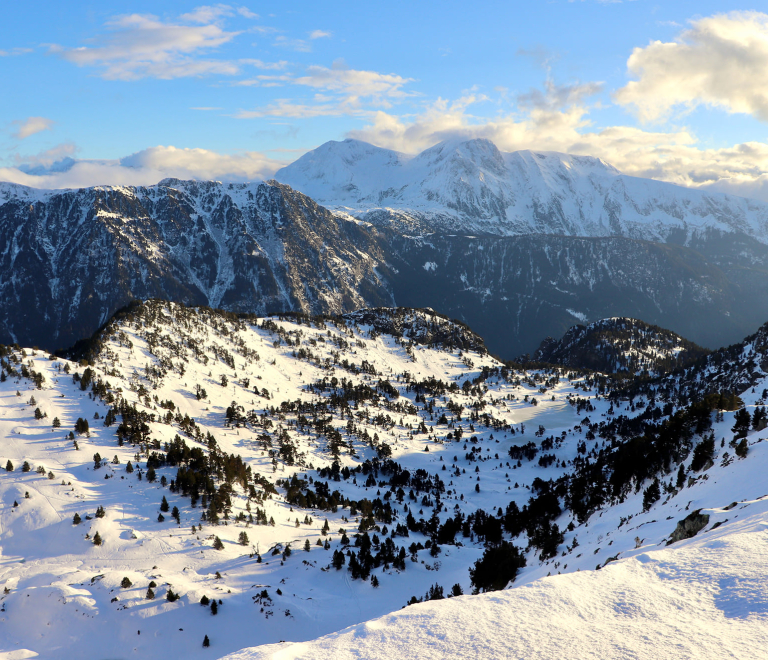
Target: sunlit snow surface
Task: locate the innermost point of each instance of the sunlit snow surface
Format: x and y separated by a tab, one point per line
700	598
706	598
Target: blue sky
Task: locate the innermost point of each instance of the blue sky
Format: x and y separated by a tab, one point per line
133	91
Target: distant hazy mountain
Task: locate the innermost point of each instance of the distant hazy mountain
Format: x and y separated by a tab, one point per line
469	186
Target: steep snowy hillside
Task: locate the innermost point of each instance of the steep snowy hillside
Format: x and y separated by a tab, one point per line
620	345
703	599
70	258
469	186
258	480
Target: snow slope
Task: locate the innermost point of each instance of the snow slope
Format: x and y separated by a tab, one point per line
294	397
704	599
469	186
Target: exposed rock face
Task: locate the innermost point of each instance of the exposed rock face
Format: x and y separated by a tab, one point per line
689	526
69	259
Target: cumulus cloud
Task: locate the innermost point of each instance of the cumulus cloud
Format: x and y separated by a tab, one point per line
720	61
145	167
30	126
139	46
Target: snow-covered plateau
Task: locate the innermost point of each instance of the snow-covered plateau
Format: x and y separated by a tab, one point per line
260	483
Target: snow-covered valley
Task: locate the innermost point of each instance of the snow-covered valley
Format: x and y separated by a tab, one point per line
390	452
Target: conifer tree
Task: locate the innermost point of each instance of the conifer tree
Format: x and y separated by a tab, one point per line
214	607
76	520
243	539
206	642
307	547
126	583
150	594
175	513
160	517
217	544
9	466
26	467
164	505
129	468
97	539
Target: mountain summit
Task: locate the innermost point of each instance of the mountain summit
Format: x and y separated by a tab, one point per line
470	186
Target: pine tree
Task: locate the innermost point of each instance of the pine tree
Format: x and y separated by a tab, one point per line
243	539
56	423
164	505
26	467
100	513
206	642
150	594
9	466
160	517
129	468
214	607
171	596
151	476
217	544
97	539
307	547
126	583
77	520
204	601
175	513
374	581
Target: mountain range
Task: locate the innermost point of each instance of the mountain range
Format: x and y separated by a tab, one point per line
518	245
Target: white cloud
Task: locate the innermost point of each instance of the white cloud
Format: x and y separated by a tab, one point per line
299	45
207	14
340	91
147	167
140	46
670	156
32	125
247	13
319	34
720	61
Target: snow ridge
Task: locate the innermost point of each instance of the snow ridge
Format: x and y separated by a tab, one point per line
469	186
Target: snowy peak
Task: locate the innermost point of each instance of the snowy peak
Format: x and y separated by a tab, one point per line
470	186
620	345
421	326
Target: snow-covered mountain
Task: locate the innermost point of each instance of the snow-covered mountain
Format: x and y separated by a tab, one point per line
70	258
311	473
620	345
470	187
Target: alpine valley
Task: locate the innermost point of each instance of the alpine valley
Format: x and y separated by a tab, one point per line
518	245
459	404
